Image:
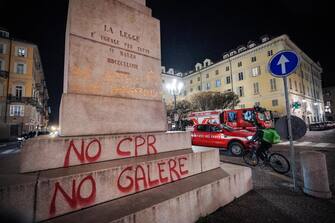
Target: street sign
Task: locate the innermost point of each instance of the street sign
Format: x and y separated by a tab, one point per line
283	63
299	127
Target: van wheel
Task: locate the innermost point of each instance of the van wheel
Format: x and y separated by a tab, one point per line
236	148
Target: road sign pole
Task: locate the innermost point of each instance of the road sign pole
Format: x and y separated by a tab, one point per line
289	125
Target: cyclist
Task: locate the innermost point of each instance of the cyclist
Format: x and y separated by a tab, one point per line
265	145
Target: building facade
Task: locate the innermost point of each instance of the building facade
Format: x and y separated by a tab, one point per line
329	100
244	71
23	92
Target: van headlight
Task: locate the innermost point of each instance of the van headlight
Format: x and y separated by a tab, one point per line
249	138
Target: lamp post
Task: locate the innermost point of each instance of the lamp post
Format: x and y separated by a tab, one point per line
174	88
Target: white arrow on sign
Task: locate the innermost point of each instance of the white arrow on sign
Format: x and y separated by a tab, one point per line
282	61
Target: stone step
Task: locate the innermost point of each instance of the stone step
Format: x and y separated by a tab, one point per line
43	153
64	190
182	201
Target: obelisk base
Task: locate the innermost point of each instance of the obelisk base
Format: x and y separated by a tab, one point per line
82	115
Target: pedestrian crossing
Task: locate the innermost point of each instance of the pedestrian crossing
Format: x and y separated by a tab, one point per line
310	144
9	151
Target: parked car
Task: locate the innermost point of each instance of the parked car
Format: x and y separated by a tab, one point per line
317	126
43	133
222	136
330	124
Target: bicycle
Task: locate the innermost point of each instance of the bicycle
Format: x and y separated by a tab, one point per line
276	161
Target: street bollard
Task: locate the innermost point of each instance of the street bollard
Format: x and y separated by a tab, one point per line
314	171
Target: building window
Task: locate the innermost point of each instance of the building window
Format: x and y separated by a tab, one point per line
273	84
270	53
255	71
242	105
191	81
240	76
18	91
216	72
240	91
16	110
163	81
2	48
198	78
21	52
191	89
199	88
227	68
256	88
239	64
218	83
274	102
257	104
208	86
207	75
295	85
290	83
20	68
253	59
185	93
2	93
2	65
228	80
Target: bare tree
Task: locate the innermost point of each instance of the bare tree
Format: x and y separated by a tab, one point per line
211	100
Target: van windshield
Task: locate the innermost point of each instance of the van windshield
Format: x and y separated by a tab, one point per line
264	116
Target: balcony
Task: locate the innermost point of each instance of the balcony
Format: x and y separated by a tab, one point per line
3	74
25	100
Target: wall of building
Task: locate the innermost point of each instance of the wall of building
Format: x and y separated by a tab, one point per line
34	98
238	65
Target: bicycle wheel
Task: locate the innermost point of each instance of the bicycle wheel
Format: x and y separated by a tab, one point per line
250	158
279	163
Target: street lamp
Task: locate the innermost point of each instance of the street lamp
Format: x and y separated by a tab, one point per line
174	88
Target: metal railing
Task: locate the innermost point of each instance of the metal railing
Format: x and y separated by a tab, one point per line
25	100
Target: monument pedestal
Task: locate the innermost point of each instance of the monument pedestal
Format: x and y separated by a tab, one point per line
176	186
185	200
88	114
115	162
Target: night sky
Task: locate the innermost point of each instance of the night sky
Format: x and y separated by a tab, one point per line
190	31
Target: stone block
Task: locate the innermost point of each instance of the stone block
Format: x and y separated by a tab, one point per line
44	153
110	52
65	190
17	196
90	115
112	65
185	200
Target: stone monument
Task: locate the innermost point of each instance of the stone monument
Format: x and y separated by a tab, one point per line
114	160
112	80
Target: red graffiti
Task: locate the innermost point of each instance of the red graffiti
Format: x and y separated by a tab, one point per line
75	199
133	177
138	143
83	155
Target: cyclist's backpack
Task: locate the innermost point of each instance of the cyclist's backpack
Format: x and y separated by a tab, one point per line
271	136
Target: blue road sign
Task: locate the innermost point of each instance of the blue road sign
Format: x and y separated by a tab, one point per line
283	63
